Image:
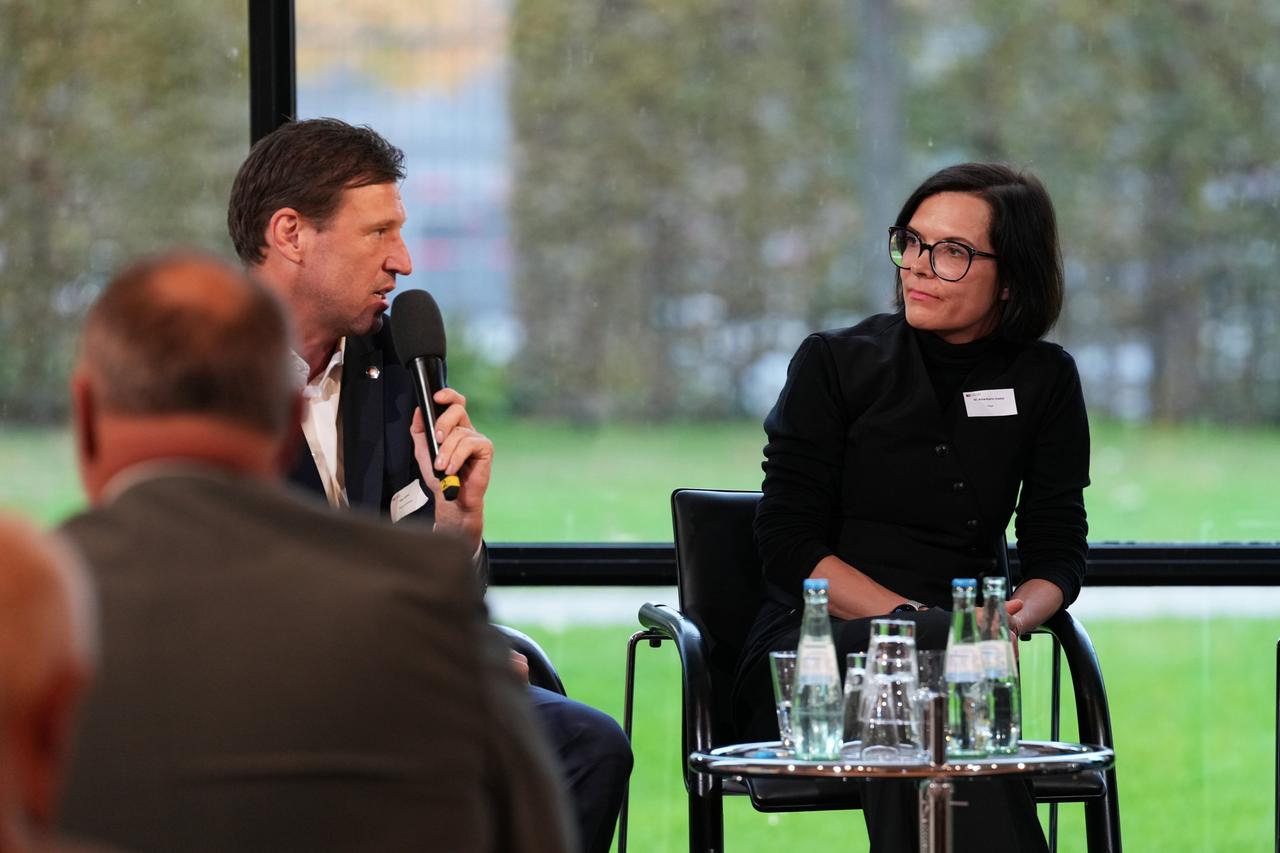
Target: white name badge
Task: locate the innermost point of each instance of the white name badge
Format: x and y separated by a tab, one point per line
994	403
408	499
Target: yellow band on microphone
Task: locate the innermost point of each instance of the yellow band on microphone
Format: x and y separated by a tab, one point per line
449	486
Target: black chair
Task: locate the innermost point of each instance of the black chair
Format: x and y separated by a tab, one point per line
542	673
719	582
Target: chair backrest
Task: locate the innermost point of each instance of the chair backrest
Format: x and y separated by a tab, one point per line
720	581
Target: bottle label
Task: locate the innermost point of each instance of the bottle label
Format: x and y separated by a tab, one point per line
997	658
964	663
816	663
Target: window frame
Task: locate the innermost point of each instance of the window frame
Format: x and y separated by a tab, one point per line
273	101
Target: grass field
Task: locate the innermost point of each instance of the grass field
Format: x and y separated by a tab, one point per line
1192	700
554	483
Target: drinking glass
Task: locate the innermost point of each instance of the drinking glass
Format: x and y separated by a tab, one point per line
890	724
931	681
855	674
931	668
782	666
899	638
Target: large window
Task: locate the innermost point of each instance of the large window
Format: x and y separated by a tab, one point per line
123	124
633	212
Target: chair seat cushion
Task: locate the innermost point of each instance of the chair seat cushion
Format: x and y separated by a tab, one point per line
802	794
1070	789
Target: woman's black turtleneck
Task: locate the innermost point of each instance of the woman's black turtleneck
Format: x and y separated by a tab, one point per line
948	365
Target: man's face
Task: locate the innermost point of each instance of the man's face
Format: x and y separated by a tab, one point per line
350	265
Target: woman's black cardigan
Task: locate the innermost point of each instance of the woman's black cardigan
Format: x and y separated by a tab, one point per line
863	462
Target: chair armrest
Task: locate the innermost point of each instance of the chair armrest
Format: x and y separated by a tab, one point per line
694	673
1093	716
542	673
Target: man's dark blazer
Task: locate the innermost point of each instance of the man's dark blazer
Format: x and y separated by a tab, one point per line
376	408
279	677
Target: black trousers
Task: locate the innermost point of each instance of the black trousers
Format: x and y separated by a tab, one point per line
989	816
595	758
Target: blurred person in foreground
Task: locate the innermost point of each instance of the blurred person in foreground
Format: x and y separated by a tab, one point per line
46	662
884	476
315	213
263	686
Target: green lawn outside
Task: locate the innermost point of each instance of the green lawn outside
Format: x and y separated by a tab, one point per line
557	483
1193	700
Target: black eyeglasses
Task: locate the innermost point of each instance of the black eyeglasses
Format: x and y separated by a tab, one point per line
949	260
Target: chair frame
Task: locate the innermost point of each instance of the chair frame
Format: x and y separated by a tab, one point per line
1097	790
542	672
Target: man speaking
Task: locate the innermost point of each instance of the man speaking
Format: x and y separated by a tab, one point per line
315	213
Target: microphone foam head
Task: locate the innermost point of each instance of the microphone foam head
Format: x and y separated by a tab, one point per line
416	326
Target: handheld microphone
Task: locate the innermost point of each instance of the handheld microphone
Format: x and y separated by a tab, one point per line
418	333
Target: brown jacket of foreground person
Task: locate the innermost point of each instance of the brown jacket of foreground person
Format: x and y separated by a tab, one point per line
275	677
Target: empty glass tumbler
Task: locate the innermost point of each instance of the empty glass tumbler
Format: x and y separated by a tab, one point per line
782	667
932	681
855	675
890	724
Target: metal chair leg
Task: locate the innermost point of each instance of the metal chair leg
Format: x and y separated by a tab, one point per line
706	819
1055	728
655	640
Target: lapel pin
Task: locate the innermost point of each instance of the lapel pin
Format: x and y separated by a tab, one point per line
373	373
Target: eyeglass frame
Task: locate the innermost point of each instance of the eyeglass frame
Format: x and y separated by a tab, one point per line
928	247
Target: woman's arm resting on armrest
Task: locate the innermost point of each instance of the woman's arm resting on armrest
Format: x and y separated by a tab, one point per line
853	595
1032	603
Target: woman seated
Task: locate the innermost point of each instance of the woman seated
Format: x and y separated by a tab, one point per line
900	448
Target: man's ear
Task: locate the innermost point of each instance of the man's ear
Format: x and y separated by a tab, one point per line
84	412
284	234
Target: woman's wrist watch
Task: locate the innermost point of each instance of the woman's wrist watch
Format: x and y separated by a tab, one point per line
908	605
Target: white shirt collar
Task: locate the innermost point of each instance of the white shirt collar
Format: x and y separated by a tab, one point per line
302	370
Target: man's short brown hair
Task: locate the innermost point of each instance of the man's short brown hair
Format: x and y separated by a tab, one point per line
305	165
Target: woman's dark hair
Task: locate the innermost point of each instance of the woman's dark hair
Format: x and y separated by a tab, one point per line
305	165
1024	234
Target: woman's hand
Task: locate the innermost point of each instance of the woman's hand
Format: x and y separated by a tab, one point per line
1013	607
1033	602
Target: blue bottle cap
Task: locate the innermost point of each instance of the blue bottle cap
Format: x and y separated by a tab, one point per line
964	583
816	583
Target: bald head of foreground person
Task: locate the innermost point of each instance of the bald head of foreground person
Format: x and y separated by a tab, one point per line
274	675
46	658
183	357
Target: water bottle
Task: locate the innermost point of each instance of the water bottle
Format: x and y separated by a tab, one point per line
1000	670
817	718
968	722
